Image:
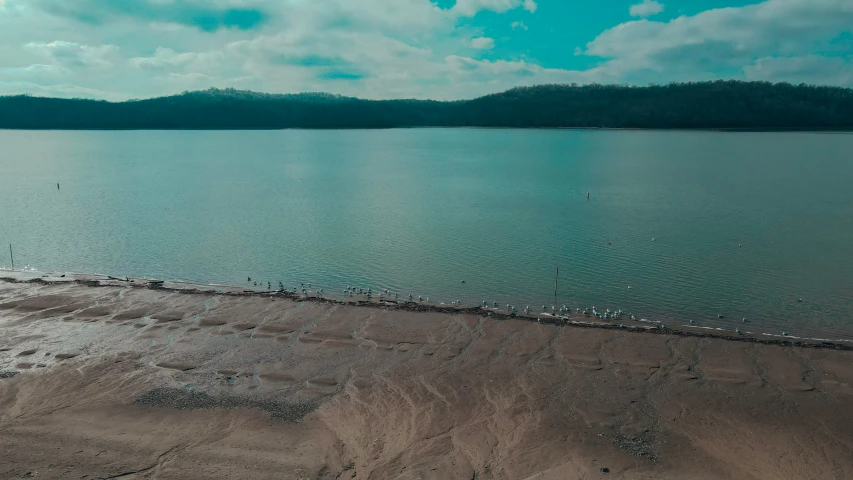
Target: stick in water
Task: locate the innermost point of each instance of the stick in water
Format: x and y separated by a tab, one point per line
11	256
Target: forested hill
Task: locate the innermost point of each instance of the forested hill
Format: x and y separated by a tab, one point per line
719	104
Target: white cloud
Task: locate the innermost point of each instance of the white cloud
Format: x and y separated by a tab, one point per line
646	9
530	6
518	25
483	43
74	55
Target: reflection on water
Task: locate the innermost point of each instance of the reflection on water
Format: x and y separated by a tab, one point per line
698	224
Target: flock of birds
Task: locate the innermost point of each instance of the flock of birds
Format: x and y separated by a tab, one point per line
562	312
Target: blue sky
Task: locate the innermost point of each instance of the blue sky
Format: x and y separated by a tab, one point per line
442	49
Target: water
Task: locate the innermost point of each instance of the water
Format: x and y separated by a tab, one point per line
697	223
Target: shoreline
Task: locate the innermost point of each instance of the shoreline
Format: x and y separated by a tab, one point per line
101	377
829	130
573	319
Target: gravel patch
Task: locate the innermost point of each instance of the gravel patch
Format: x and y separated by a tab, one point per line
184	399
640	446
8	374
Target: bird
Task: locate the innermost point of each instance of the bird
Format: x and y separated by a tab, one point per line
744	319
799	299
720	316
691	321
629	287
738	330
784	334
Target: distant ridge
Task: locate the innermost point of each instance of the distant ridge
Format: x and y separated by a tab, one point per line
706	105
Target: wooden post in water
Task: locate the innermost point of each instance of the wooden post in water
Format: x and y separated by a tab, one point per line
11	256
556	277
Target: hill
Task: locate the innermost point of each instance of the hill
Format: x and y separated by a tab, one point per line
718	104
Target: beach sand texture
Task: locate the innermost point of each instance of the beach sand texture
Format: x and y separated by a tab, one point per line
137	383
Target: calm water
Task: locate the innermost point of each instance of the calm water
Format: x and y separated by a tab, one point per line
743	224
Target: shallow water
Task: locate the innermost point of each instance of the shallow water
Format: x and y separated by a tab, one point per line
696	223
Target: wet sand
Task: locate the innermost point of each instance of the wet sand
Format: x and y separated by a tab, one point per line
129	381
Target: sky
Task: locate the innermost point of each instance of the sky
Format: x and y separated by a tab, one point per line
439	49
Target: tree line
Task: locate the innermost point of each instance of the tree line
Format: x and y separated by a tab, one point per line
717	104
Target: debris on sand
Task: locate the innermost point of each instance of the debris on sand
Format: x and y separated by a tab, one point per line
185	399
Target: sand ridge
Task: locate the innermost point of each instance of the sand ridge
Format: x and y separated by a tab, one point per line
385	393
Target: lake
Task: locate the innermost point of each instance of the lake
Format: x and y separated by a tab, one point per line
698	224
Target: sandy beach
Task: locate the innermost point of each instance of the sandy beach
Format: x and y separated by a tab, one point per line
112	379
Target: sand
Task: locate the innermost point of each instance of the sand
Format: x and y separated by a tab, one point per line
128	382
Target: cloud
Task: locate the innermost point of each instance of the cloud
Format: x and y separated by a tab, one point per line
59	90
397	49
469	8
166	58
206	16
719	41
811	69
483	43
74	55
646	9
